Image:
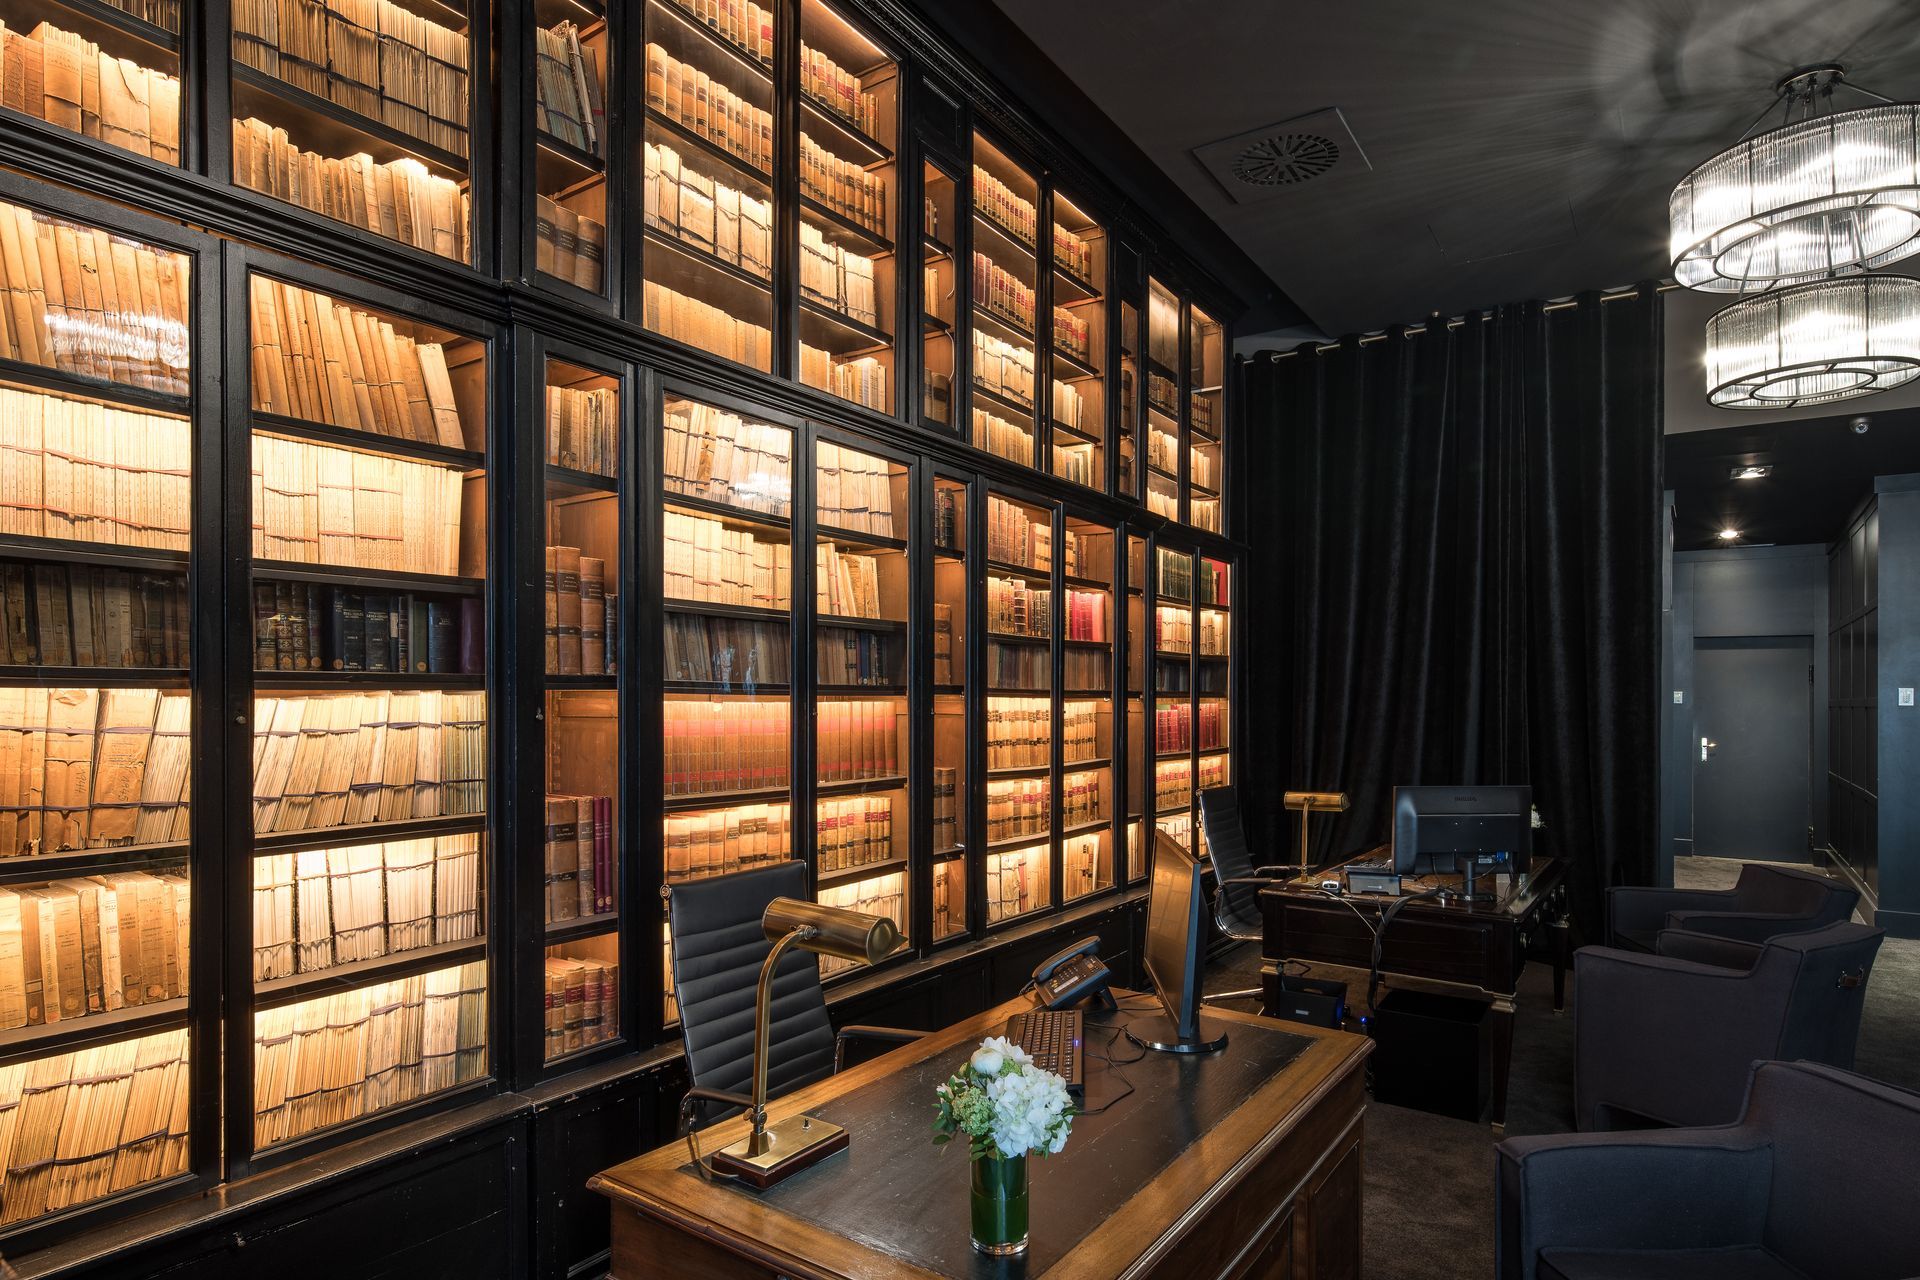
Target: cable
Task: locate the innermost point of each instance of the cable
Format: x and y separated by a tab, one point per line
1113	1068
1379	937
1356	911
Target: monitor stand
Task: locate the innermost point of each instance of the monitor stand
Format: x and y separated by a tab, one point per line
1158	1033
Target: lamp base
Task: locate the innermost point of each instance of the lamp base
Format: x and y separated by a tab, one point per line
792	1145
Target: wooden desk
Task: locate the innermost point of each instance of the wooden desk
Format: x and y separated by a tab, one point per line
1477	948
1224	1166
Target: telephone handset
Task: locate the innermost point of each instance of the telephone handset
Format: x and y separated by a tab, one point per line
1074	975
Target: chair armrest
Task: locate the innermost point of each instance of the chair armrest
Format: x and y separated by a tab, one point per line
889	1035
690	1105
1642	910
1674	1189
1273	872
1706	948
1665	1038
1741	926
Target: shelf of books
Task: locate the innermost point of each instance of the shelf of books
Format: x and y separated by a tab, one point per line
574	74
1020	582
1088	560
952	677
1206	419
862	730
1163	401
581	708
1005	235
849	195
370	708
97	457
939	286
361	111
727	575
1127	427
1212	673
1139	743
1078	412
1171	734
710	157
108	70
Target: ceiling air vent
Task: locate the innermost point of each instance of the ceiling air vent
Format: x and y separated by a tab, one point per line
1263	163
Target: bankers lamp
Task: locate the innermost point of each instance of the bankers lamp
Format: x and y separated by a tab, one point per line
1308	802
771	1152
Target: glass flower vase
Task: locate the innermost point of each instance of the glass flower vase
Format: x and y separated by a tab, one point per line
1000	1200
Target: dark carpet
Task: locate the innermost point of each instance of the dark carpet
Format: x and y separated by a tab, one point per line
1429	1179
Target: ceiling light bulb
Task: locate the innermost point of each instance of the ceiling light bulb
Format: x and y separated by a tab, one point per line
1728	535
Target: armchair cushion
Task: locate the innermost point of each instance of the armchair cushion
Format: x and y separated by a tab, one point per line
1635	915
1747	1262
1705	948
1768	900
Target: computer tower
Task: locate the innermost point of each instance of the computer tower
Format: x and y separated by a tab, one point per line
1433	1053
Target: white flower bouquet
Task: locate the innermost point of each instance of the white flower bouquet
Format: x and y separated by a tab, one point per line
1004	1104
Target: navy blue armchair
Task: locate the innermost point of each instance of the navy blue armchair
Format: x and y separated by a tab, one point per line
1815	1181
1767	900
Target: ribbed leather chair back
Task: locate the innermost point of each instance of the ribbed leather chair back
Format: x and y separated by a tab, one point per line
718	949
1236	907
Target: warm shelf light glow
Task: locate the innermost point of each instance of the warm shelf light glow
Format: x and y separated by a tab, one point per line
1729	535
1815	343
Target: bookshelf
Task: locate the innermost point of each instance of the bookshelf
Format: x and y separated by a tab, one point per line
370	709
103	71
1206	420
1089	565
1162	396
710	156
582	831
939	283
1021	581
952	678
727	656
1170	737
1213	683
849	201
1077	405
98	885
1004	235
573	111
1131	355
1139	741
361	111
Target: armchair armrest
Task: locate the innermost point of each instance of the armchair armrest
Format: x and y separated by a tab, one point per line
888	1035
1742	926
1640	910
1677	1189
1707	948
1663	1038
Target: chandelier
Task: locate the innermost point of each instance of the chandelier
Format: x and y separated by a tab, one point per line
1824	195
1815	343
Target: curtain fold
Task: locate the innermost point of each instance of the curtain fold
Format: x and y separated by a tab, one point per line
1458	579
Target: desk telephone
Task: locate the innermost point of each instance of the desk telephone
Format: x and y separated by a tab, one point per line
1074	975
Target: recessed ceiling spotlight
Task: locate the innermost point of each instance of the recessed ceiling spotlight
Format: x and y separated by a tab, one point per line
1729	534
1755	471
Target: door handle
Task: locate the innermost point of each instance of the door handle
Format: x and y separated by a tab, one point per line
1708	748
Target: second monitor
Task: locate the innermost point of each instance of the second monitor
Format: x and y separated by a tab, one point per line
1175	955
1435	828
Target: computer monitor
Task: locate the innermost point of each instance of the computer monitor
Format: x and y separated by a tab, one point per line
1175	959
1437	828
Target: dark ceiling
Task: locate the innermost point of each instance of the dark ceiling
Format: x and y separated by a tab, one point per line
1518	149
1822	471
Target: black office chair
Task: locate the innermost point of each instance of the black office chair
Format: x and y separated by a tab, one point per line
1768	900
1237	882
717	950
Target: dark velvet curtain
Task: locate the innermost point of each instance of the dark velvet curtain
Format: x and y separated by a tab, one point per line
1459	580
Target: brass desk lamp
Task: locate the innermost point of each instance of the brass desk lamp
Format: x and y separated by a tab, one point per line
770	1153
1309	802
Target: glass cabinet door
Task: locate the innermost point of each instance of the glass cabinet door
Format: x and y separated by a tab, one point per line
1088	634
952	742
371	709
1163	401
709	160
582	767
108	70
574	72
1020	717
938	298
1079	352
360	111
1213	672
1139	736
849	189
1173	693
1005	236
862	736
1205	420
1126	438
726	564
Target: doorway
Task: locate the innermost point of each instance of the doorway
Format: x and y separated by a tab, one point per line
1753	747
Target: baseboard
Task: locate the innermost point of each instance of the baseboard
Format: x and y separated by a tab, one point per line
1898	924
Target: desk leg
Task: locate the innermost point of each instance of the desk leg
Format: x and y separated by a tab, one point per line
1502	1015
1560	963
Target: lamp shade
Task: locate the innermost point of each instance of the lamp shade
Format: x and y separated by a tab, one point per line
834	931
1815	343
1835	194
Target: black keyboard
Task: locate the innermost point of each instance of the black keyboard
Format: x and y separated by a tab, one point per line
1053	1038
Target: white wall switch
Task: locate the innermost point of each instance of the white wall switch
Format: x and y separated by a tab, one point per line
1679	697
1906	697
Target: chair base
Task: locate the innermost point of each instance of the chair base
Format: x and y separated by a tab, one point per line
1249	993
